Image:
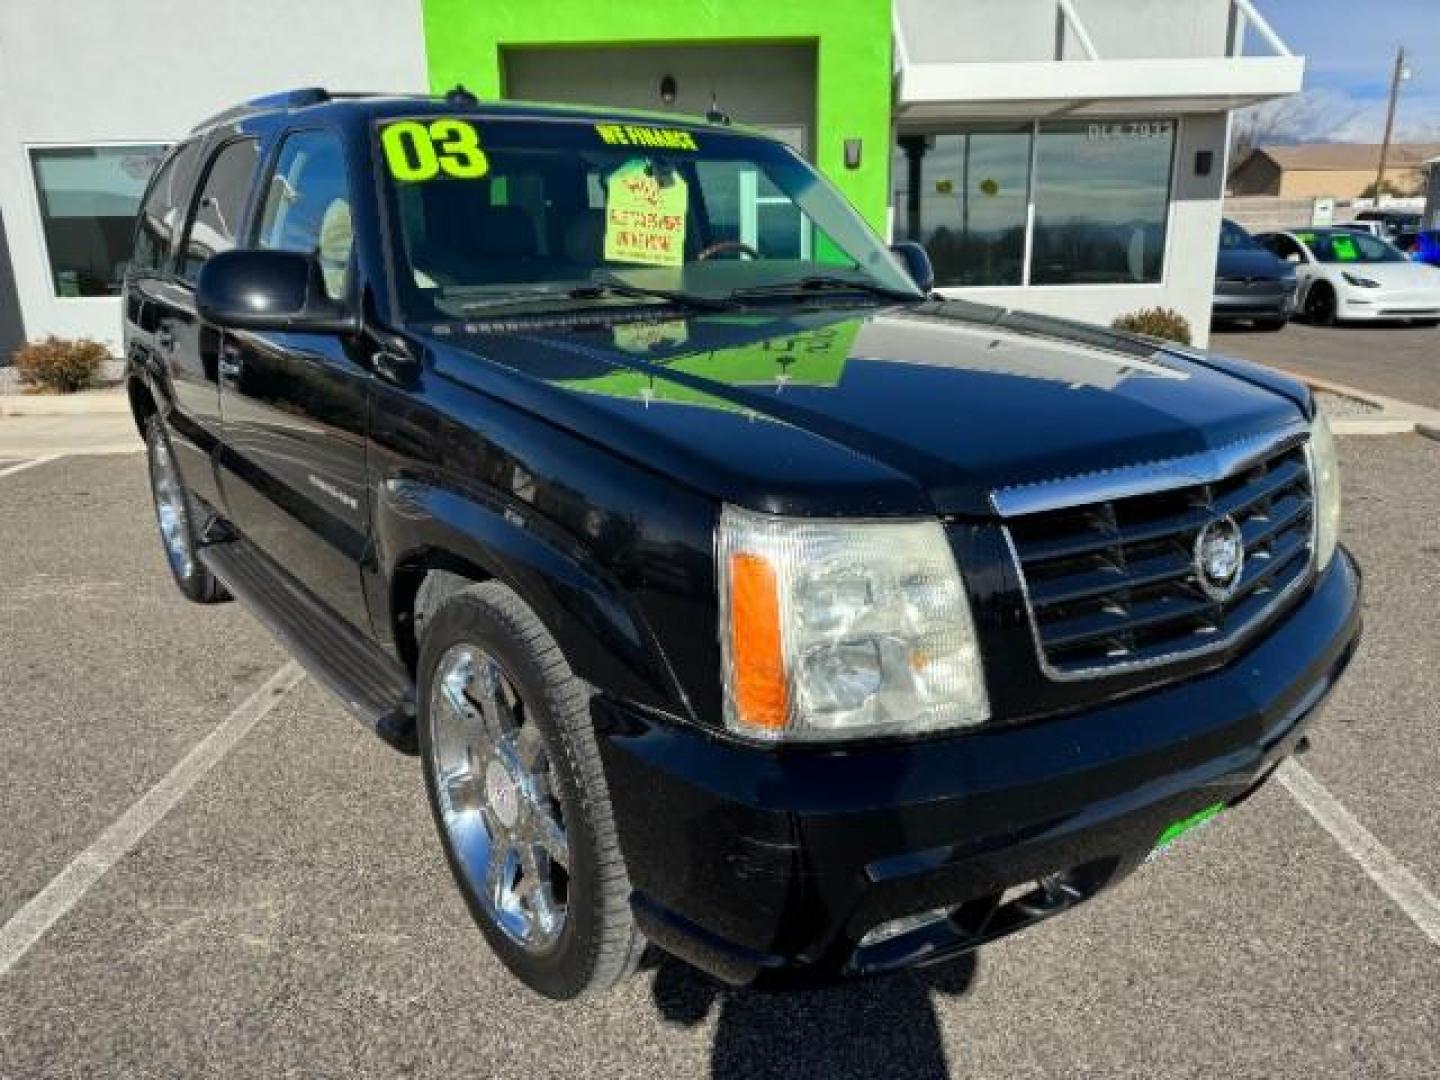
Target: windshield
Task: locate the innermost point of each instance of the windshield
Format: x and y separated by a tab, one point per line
1234	238
496	212
1348	246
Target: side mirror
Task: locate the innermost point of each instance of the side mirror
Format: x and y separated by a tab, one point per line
917	264
1293	257
270	290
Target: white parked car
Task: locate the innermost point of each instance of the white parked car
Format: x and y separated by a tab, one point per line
1346	274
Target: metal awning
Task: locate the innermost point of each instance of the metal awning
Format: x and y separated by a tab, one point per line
1051	65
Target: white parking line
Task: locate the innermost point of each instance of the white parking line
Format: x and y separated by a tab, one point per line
1388	872
65	890
11	470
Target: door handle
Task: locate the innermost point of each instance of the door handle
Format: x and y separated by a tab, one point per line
231	362
164	340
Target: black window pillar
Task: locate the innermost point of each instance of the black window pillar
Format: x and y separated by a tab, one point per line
12	325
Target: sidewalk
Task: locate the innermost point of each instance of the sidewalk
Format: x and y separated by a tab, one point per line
82	433
110	401
1382	415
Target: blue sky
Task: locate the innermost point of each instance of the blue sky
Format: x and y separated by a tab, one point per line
1349	46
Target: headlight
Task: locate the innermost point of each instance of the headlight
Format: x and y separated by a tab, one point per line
1325	476
835	630
1359	281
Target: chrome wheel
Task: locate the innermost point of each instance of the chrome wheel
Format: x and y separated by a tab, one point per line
498	799
170	508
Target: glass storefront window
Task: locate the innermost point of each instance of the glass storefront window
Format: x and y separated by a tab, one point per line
1102	197
964	197
88	198
1096	207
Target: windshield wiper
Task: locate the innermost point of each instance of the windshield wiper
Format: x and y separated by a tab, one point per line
613	286
823	283
595	290
511	297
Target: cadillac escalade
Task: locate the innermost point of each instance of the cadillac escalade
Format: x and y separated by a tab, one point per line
741	596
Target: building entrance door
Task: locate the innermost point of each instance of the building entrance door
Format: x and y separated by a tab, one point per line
767	86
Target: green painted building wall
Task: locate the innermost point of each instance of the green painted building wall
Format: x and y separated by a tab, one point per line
464	40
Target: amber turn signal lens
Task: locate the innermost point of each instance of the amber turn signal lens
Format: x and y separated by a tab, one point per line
761	697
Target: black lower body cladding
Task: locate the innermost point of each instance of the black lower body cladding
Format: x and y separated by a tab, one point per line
763	866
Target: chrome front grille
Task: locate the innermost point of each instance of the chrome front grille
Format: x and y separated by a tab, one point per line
1115	584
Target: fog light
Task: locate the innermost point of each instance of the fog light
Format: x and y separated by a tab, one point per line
888	931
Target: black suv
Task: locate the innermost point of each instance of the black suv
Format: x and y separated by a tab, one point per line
740	596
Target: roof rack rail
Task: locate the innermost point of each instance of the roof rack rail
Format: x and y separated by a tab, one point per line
285	99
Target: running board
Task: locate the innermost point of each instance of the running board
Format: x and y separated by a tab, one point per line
368	682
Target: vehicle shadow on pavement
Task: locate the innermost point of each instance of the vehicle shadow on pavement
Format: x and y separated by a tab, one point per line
877	1027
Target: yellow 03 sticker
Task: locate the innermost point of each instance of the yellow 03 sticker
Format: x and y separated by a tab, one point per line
420	150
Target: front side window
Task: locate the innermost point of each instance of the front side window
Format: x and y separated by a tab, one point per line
1283	247
216	223
1091	209
88	200
491	208
307	206
158	222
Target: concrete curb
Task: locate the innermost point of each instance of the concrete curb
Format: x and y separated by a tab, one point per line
1358	425
1395	417
109	402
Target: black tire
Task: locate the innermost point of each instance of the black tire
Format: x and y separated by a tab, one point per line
599	944
1320	304
1274	322
167	487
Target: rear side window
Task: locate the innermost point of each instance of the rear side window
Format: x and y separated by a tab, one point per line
160	214
307	206
215	226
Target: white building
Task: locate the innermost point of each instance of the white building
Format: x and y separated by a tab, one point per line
1061	155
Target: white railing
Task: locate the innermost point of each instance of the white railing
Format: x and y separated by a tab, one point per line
1066	17
1073	40
1242	12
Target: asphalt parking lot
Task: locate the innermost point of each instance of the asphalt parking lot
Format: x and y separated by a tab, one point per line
1396	360
292	915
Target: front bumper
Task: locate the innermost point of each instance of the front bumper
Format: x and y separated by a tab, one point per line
1244	305
1380	304
758	865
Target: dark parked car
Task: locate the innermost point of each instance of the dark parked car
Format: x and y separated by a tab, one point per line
740	597
1251	284
1392	222
1423	246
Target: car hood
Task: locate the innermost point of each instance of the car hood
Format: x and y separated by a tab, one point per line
1394	275
1248	263
925	408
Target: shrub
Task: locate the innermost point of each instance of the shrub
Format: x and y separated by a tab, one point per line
1157	322
61	366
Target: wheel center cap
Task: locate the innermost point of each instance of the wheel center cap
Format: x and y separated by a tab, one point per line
502	794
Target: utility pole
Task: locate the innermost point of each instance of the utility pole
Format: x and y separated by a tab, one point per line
1400	74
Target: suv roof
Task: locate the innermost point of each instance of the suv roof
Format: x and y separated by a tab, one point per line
387	104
